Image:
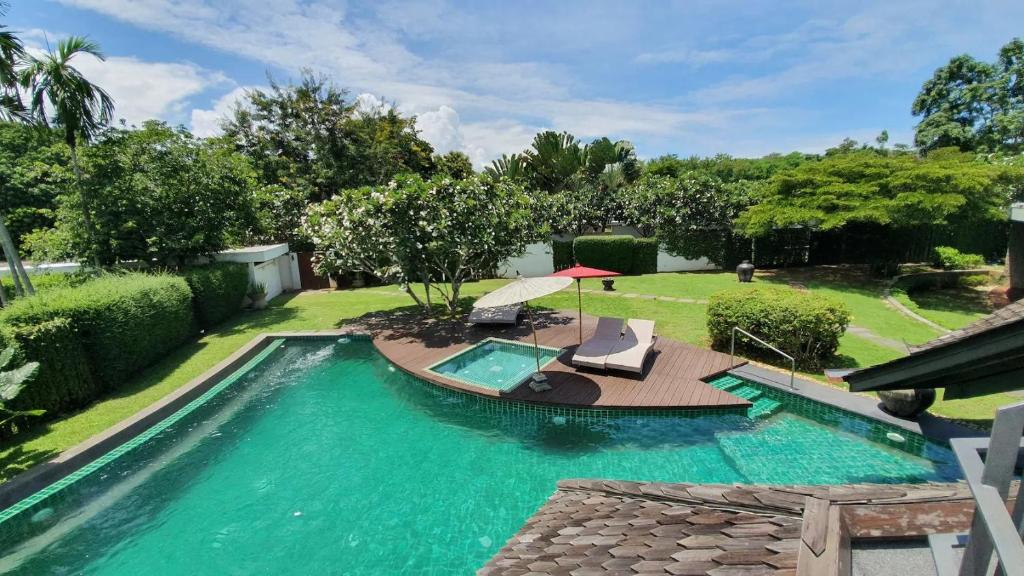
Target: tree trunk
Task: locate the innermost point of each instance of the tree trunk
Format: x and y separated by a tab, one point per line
86	216
22	284
1015	260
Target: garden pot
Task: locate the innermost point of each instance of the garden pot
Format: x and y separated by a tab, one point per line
608	284
906	403
745	271
259	302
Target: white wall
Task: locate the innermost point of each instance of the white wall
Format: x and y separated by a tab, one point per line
536	261
55	268
670	263
269	273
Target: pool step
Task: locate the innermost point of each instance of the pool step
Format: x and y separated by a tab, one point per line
763	408
746	392
726	382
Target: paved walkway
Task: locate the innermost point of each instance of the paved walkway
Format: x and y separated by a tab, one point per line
871	336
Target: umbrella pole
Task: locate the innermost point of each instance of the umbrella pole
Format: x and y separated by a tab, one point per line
536	347
579	301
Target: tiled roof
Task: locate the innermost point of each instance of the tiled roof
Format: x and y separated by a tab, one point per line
597	527
1006	315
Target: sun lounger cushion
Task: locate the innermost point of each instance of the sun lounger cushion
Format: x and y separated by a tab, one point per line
593	352
630	352
495	315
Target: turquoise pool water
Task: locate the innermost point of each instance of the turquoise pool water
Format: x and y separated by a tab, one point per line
325	460
496	364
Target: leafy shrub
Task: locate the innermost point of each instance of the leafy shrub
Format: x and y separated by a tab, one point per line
806	326
611	252
64	382
217	291
125	322
949	258
645	256
561	254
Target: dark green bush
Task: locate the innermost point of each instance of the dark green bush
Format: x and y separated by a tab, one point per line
64	382
610	252
561	254
949	258
806	326
645	256
125	322
217	291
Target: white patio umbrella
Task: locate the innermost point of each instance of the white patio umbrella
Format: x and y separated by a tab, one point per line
522	291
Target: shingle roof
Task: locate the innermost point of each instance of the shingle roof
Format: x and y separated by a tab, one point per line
599	527
1006	315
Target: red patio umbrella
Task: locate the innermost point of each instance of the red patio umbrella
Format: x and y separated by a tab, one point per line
578	272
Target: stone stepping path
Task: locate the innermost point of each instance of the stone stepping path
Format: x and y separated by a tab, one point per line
644	296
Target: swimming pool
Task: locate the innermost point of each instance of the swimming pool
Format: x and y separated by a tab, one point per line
495	363
325	459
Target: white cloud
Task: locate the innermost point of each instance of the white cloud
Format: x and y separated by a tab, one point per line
372	59
206	122
442	128
370	104
142	90
457	68
686	56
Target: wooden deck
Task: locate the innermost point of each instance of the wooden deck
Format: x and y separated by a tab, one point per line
672	377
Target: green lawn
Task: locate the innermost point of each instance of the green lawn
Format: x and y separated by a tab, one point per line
951	308
321	310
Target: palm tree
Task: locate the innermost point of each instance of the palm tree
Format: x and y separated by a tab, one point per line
79	107
12	53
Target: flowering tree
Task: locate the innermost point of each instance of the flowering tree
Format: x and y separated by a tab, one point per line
438	232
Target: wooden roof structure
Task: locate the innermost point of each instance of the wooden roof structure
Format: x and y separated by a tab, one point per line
984	357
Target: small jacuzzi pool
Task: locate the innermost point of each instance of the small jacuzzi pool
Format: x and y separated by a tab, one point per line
495	364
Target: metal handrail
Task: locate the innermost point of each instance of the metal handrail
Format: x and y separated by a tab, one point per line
732	353
993	529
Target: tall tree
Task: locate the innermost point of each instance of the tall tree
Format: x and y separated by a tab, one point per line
12	53
974	105
80	108
308	140
161	196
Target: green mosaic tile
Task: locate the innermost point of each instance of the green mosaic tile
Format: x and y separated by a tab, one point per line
139	440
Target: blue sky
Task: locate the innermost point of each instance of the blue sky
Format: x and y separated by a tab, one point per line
743	78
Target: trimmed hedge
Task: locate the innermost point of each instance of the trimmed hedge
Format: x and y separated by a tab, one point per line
561	254
645	256
64	382
618	253
125	322
806	326
949	258
46	282
217	291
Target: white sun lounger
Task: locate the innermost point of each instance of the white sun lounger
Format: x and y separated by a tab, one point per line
630	352
593	352
496	315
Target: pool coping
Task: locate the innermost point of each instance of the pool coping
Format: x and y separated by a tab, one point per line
927	425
